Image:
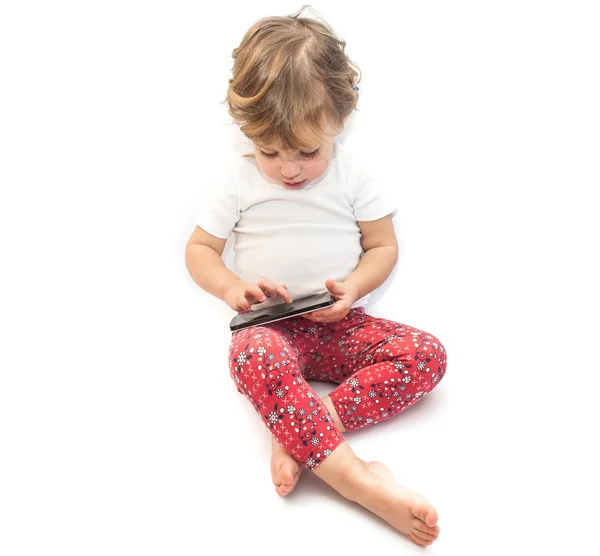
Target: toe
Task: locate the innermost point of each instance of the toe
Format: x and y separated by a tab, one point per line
419	525
432	517
424	536
417	540
427	514
282	490
286	472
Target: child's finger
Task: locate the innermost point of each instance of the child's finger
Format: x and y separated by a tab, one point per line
268	287
323	313
257	292
282	292
243	303
318	317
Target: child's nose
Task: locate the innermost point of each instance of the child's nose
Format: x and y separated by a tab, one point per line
290	171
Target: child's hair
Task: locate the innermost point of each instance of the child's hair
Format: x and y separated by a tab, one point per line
290	78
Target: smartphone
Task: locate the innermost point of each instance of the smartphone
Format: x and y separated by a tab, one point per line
281	311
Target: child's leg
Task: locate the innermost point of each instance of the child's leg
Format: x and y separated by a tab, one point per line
399	370
383	367
264	365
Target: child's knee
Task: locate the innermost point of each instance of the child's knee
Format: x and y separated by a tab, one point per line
248	355
246	346
430	354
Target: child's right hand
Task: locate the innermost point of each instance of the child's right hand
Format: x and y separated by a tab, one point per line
242	294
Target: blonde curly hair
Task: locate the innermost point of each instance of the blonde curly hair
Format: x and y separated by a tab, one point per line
292	82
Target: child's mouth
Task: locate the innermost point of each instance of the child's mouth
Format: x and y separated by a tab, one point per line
297	184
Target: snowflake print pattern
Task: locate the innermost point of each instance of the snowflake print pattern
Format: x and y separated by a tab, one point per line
381	368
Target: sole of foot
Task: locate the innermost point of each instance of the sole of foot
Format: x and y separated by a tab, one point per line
375	488
285	470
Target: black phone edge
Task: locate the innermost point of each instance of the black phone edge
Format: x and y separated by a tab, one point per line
300	311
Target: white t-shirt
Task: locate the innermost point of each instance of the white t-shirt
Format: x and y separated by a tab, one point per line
298	237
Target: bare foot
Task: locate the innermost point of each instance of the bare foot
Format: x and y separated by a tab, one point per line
374	487
285	470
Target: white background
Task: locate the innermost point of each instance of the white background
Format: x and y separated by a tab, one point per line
121	431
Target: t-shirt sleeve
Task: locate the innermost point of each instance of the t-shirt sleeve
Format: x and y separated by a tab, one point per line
219	205
373	200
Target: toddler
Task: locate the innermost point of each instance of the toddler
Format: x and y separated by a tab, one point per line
307	219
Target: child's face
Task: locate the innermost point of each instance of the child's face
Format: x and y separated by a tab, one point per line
307	164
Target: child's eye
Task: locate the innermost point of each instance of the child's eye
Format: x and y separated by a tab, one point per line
306	155
311	155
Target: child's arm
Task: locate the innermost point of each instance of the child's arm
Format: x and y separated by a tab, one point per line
380	246
373	269
203	260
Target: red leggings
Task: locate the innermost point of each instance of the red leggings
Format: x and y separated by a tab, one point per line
381	367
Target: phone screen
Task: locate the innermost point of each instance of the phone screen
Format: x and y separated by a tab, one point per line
281	311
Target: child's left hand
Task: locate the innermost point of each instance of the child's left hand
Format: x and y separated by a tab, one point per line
345	295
